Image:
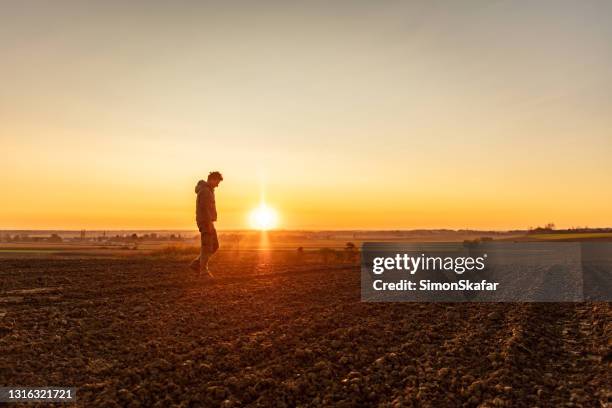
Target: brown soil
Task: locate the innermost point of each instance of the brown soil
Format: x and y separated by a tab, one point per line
136	332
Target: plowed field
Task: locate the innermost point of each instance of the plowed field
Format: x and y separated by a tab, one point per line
145	332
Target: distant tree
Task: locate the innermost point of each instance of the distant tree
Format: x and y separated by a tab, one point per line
55	238
539	230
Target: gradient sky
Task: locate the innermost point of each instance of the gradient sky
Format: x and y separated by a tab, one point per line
347	114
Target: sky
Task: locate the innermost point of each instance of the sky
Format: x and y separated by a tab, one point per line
341	115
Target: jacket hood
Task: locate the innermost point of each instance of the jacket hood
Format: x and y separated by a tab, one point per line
201	184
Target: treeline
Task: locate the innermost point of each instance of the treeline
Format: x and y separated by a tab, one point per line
56	238
550	228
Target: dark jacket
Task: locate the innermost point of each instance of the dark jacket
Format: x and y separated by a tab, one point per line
206	210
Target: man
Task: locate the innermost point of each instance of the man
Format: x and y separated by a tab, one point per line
206	215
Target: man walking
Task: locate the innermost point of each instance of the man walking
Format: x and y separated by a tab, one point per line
206	215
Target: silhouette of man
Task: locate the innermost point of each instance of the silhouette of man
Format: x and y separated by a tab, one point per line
206	215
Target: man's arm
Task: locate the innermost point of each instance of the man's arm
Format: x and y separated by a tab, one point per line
208	203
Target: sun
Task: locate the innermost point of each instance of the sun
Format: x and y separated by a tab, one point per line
263	218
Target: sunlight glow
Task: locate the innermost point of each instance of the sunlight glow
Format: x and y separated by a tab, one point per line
263	218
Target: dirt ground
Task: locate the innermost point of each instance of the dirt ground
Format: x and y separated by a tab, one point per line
275	332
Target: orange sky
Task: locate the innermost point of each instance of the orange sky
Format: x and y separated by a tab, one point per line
357	115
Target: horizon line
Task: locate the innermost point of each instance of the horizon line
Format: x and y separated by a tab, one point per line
297	229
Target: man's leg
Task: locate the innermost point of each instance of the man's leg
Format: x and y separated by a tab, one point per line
213	246
204	264
205	253
215	242
195	264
